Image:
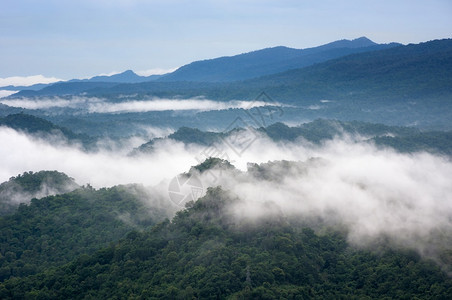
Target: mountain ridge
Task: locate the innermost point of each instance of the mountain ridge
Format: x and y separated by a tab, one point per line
277	59
268	61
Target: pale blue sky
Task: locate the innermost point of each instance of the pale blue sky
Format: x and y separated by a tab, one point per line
74	39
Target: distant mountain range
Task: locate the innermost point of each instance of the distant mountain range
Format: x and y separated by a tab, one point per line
269	61
239	67
125	77
415	71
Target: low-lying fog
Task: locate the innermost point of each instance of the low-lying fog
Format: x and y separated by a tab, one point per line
373	192
99	105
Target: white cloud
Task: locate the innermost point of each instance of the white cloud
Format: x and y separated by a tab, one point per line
155	71
372	193
96	105
21	153
368	191
27	80
5	93
167	104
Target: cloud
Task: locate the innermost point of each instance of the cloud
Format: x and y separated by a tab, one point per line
27	80
5	93
167	104
96	105
370	193
155	71
373	194
22	153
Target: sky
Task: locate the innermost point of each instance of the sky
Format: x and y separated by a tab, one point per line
65	39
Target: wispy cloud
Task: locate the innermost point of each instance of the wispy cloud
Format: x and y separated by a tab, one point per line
5	93
96	105
27	80
372	193
155	71
166	104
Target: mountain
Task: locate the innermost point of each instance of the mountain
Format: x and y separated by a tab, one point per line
125	77
223	69
65	88
97	81
405	72
29	185
402	73
207	253
268	61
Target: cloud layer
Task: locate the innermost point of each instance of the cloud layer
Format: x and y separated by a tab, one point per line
96	105
371	193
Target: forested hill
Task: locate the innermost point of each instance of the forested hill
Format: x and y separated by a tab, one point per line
29	185
205	253
54	230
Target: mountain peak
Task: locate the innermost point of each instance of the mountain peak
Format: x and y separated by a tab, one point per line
363	42
128	72
362	39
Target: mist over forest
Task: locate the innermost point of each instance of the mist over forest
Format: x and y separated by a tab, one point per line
279	173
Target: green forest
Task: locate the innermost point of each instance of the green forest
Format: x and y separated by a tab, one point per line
204	253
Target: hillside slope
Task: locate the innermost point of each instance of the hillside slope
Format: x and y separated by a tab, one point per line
29	185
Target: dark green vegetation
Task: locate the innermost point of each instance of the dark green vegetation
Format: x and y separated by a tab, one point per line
211	163
56	229
206	253
22	188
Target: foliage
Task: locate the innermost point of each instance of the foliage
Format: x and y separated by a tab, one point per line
213	162
24	187
56	229
206	253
